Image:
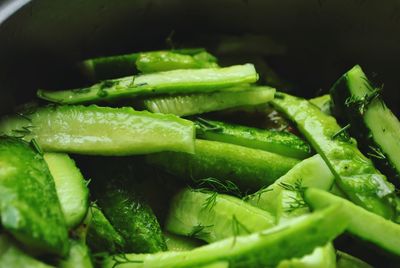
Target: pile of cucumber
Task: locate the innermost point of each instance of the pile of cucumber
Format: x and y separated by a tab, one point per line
145	168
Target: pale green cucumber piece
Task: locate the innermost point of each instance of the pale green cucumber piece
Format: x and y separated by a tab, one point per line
72	190
102	68
79	256
29	206
168	82
190	104
98	130
13	257
323	103
362	223
280	142
345	260
311	172
263	249
218	264
180	243
159	61
101	235
355	174
372	122
212	217
248	168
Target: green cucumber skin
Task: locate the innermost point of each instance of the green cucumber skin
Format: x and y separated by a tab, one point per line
161	61
79	256
248	168
98	130
378	230
168	82
280	142
263	249
12	256
354	173
29	206
122	65
191	104
343	90
133	220
101	235
71	187
188	210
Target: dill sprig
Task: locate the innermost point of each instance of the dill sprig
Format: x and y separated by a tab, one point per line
203	125
296	201
238	228
36	146
123	259
342	134
199	231
361	104
211	200
376	153
216	185
257	195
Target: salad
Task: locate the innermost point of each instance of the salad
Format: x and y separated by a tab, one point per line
151	165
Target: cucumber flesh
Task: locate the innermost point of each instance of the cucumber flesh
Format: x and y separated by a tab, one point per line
71	187
29	206
345	260
262	249
191	104
79	256
279	142
169	82
246	167
181	243
372	122
364	224
212	217
101	130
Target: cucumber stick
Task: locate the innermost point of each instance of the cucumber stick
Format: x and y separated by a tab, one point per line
323	103
212	217
279	142
190	104
101	130
283	197
364	224
169	82
71	187
345	260
355	174
122	65
262	249
372	123
181	243
246	167
29	206
79	256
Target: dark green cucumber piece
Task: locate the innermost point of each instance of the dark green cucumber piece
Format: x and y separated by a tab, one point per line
79	256
280	142
29	206
72	189
181	243
248	168
132	218
362	223
323	102
101	130
11	256
160	61
101	235
372	122
262	249
283	199
355	174
345	260
168	82
122	65
211	217
190	104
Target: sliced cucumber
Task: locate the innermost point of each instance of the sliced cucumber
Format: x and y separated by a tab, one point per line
199	103
71	188
212	217
263	249
79	256
169	82
280	142
248	168
181	243
372	122
101	130
364	224
323	103
345	260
